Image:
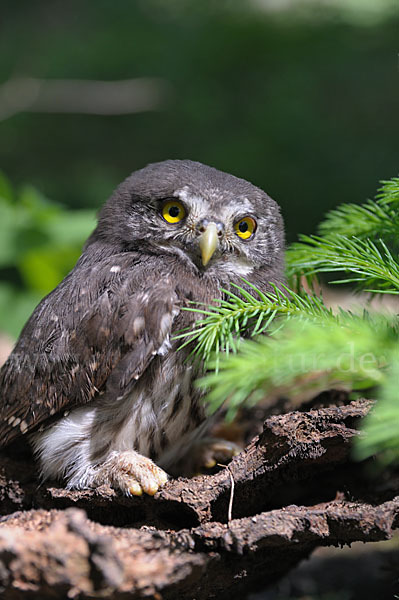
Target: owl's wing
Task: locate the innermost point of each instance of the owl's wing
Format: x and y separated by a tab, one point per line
94	334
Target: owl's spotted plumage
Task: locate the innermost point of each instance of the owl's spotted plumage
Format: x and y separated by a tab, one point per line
96	378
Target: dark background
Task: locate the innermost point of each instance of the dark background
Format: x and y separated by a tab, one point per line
300	98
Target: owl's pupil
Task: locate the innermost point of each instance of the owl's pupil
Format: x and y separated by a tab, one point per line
174	211
243	226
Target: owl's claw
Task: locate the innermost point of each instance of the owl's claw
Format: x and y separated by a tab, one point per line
131	473
135	489
150	483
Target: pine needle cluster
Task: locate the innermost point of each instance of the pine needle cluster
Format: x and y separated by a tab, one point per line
308	346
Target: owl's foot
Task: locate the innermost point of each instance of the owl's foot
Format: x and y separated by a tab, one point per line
132	473
205	455
213	451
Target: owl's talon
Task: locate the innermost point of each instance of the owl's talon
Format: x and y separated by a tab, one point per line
132	473
151	489
135	489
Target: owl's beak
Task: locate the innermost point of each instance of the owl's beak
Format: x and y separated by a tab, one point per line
208	242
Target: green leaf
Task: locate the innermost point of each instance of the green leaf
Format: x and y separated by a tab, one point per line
44	268
71	227
40	241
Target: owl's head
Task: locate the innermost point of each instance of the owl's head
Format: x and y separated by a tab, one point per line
214	222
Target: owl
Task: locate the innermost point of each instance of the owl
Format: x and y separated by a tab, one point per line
97	380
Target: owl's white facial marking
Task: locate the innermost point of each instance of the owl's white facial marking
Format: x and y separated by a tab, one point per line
245	205
185	196
235	266
197	205
232	256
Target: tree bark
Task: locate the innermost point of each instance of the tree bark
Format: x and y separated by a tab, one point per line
292	489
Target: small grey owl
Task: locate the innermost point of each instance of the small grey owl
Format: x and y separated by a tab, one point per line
96	378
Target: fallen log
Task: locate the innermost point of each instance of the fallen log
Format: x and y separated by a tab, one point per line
292	489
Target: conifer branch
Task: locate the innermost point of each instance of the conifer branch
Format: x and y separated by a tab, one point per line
370	264
305	356
247	314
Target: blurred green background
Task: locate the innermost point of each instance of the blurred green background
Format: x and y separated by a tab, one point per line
299	97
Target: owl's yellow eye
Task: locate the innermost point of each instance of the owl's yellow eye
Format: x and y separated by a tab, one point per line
173	211
245	228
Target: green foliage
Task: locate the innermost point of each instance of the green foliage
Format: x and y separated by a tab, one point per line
222	325
372	219
354	240
39	243
368	264
306	356
381	426
309	347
